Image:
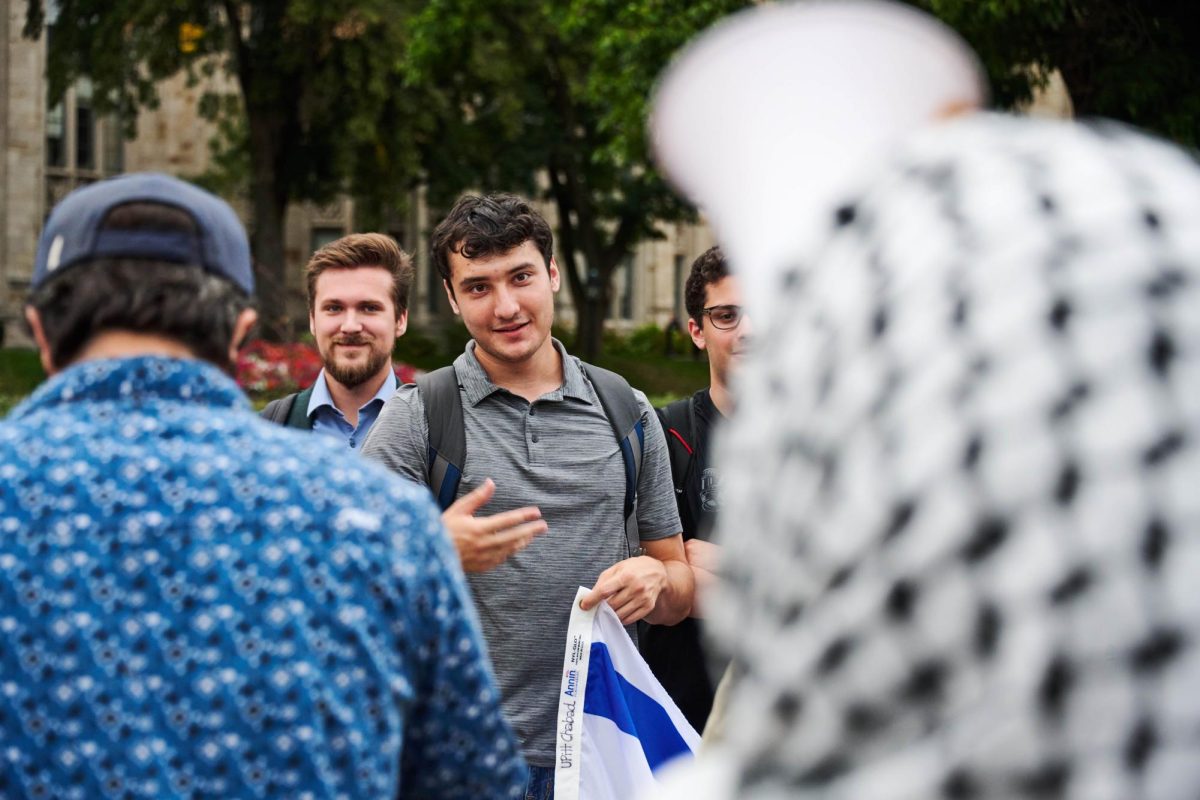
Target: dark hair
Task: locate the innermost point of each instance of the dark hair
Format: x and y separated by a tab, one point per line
179	301
707	269
363	250
486	226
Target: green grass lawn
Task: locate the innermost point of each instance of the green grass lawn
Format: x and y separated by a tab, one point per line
662	379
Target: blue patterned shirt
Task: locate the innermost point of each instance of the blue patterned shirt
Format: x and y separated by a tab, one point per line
194	602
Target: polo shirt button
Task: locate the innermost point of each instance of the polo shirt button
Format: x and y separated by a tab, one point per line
532	411
535	438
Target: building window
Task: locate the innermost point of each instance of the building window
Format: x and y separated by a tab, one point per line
323	236
85	126
56	137
432	297
680	285
622	307
114	145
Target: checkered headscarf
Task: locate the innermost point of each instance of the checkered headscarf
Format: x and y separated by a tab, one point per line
962	520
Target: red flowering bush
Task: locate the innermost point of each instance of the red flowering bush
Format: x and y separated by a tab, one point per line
269	368
407	373
274	368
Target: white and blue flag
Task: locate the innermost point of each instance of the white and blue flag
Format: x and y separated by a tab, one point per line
616	724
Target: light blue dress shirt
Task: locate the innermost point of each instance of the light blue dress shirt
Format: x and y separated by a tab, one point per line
331	422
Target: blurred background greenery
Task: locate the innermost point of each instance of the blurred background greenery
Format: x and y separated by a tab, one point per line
372	98
376	100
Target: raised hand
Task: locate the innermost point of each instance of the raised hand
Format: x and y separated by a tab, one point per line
487	541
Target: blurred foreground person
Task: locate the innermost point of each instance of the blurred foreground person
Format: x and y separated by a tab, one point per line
193	602
961	523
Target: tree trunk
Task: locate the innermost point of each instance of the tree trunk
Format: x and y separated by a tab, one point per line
269	135
589	330
270	206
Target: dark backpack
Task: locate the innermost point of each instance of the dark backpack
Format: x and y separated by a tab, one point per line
448	439
679	426
290	411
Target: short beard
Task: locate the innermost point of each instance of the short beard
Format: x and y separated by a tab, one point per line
353	375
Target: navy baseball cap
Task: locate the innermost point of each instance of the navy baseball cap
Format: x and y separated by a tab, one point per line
74	232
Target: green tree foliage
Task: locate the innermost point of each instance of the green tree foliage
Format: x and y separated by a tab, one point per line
320	108
1133	61
548	97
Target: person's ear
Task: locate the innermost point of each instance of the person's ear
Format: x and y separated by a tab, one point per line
39	337
401	322
450	297
697	333
241	329
555	276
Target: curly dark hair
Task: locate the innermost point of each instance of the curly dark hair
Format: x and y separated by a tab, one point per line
709	268
486	226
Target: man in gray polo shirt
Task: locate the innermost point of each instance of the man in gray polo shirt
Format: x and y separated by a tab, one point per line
537	436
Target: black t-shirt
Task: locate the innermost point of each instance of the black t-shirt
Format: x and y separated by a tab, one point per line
673	651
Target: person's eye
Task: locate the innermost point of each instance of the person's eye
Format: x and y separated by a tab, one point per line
727	316
477	288
332	308
522	277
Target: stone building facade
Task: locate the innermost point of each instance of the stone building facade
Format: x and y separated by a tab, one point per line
22	171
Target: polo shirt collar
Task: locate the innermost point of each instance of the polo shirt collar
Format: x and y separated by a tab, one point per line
321	397
477	386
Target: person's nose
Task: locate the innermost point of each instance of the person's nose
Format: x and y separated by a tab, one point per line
507	306
743	335
351	323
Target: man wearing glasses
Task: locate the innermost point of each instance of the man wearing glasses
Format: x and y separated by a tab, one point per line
717	326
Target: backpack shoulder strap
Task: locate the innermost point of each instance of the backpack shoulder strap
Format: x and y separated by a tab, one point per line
298	415
279	409
625	416
290	411
447	436
678	426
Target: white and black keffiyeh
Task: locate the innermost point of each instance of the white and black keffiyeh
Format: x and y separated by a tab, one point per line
963	524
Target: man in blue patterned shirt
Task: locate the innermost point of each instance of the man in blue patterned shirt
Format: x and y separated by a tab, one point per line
194	602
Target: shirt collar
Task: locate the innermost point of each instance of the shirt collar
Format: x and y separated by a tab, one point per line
321	397
138	379
477	385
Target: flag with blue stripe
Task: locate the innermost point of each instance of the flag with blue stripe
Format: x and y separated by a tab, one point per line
616	724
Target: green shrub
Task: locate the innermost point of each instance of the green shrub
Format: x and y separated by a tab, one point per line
431	347
20	374
647	340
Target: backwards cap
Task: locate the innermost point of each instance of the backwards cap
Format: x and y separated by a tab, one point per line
75	231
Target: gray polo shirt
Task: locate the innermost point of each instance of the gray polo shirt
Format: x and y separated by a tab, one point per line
558	453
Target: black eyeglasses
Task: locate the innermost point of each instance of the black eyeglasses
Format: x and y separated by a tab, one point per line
724	318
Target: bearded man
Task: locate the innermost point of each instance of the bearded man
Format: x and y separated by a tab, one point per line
357	305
